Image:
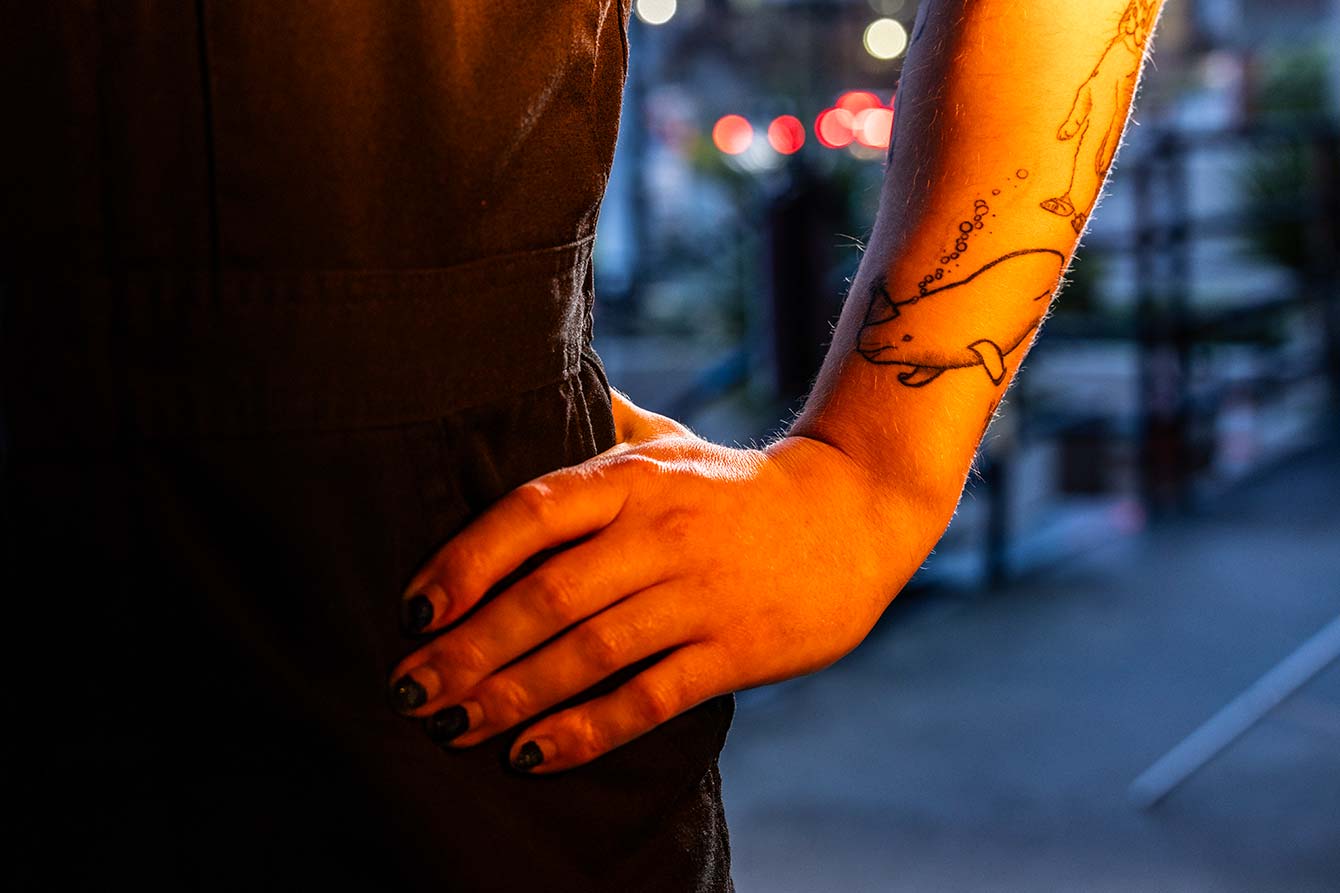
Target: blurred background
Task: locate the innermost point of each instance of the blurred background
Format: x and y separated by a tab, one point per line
1151	543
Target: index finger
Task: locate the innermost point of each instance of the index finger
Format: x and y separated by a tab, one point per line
549	511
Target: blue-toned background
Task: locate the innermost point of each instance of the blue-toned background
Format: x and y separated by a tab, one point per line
1155	524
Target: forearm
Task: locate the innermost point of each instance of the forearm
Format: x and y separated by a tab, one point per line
1008	115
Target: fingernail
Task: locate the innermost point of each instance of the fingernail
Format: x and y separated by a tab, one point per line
528	757
407	695
417	613
447	724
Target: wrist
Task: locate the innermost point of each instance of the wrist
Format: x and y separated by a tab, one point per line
903	463
889	521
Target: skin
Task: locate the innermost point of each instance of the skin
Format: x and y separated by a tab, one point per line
751	566
1098	113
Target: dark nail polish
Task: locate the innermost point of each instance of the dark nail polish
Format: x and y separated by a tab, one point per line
529	757
418	613
447	724
407	694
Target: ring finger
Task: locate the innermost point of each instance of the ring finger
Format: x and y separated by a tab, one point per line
566	589
637	627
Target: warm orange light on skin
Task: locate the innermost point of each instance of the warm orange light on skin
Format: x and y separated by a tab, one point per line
732	134
998	96
991	119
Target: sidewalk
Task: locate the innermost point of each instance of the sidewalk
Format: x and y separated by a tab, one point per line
987	742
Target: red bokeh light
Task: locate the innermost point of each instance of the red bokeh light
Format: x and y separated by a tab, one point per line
873	128
857	101
833	128
732	134
786	134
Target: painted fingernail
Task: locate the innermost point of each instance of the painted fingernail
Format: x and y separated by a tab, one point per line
417	613
447	724
407	695
528	757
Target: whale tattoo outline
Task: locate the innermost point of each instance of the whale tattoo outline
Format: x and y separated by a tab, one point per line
889	334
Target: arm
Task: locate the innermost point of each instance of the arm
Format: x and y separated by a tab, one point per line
749	566
970	241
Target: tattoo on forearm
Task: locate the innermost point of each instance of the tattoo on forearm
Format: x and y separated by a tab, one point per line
905	332
913	331
1098	114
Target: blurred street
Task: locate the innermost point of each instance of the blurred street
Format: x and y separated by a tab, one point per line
986	741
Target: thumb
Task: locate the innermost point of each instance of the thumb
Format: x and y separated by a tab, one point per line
632	423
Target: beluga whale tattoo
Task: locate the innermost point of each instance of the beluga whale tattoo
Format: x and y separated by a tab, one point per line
921	332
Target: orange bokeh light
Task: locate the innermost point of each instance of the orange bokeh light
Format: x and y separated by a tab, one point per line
786	134
833	128
732	134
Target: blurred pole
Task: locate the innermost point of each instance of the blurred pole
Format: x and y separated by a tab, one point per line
1146	324
1325	254
643	55
997	479
1181	273
1163	276
1243	712
801	224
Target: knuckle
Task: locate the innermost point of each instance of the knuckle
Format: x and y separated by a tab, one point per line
537	500
505	701
555	594
652	704
603	647
588	740
468	657
461	566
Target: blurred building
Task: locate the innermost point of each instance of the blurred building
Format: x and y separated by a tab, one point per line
1196	338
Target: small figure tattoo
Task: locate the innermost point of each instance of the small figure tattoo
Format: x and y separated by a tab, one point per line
906	333
1097	115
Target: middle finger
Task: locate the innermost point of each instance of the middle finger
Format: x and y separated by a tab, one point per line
638	627
566	589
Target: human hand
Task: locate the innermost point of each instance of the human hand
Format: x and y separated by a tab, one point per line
745	566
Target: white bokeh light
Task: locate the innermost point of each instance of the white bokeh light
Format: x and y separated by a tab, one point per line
885	39
656	12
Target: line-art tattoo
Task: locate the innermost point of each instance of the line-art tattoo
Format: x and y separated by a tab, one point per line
1096	117
967	228
913	332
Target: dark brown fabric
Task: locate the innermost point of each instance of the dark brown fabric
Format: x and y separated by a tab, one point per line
292	291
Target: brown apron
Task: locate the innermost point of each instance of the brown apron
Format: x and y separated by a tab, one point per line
291	292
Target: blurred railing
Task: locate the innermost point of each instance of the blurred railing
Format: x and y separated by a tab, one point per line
1205	359
1206	369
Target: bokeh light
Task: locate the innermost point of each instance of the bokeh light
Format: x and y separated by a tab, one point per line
885	39
656	12
833	128
857	101
786	134
874	127
732	134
